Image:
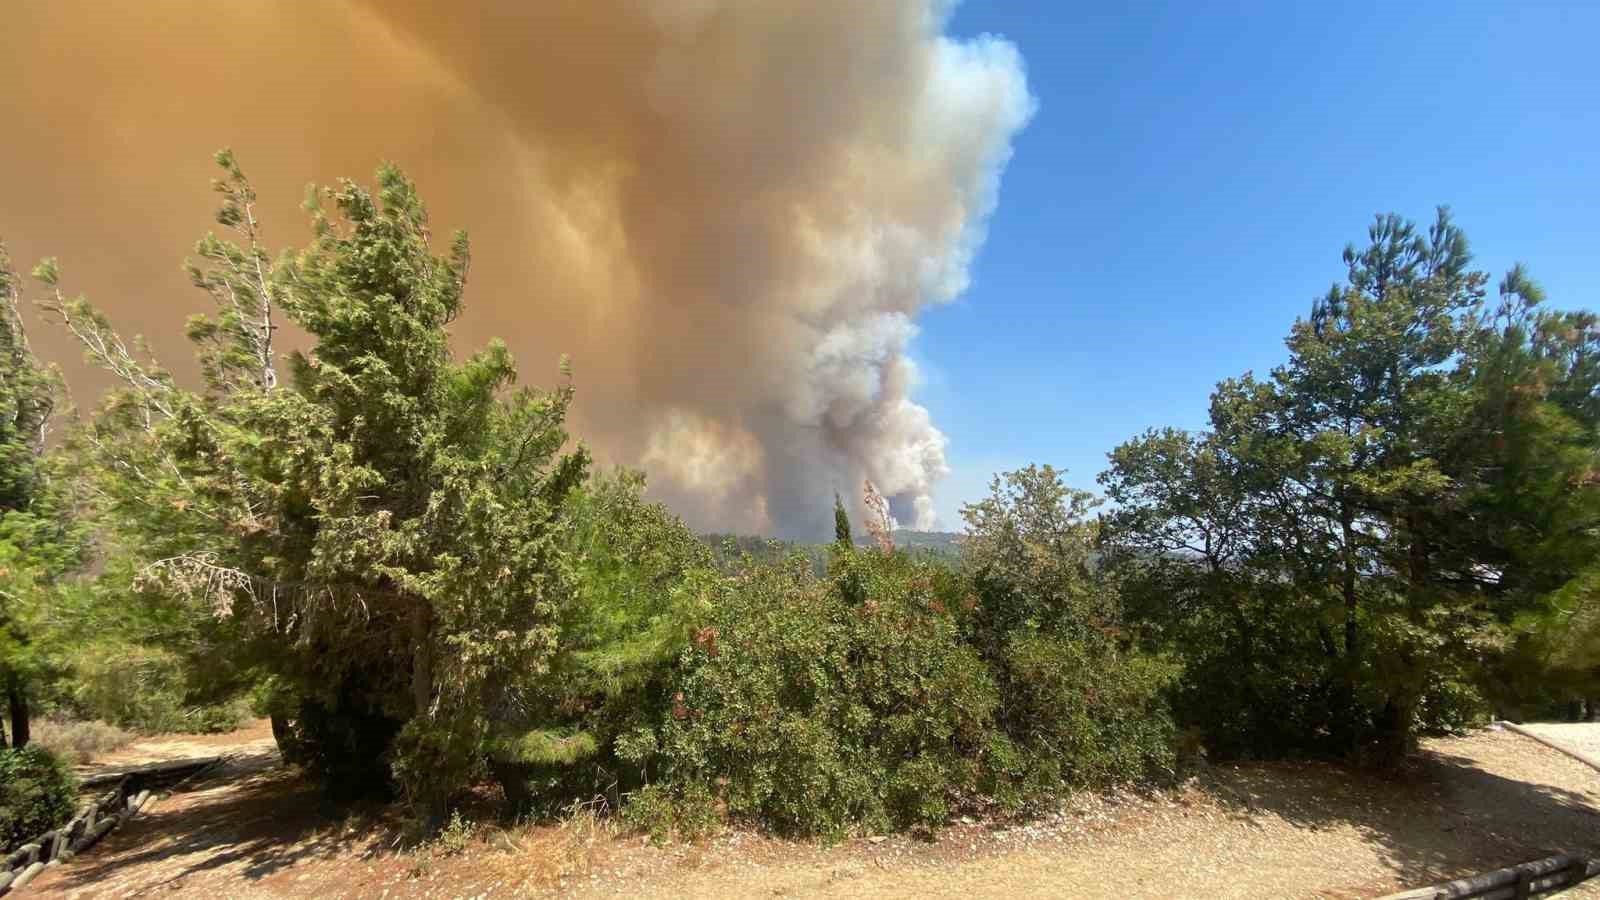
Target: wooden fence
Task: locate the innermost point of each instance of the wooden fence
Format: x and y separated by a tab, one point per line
130	795
1529	879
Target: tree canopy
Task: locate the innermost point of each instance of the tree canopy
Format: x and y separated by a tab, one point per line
383	524
1367	524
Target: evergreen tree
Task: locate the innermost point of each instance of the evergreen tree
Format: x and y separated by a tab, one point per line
841	522
37	542
1390	501
384	527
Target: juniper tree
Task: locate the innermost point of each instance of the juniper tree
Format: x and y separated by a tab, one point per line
383	523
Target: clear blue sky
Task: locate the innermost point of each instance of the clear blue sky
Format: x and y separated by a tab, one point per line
1189	181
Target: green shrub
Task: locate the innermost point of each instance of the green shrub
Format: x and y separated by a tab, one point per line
642	581
688	813
1451	705
36	794
1079	706
811	713
1082	713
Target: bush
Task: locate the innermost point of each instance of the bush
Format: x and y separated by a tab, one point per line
36	794
811	713
76	742
1082	713
1266	697
689	813
882	694
1451	705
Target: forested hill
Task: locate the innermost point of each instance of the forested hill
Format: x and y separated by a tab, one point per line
728	547
940	543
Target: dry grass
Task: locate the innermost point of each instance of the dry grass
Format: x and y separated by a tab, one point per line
79	742
545	856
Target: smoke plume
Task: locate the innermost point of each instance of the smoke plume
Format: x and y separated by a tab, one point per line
729	213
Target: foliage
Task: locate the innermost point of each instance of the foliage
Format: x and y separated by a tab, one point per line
1079	703
881	697
36	794
398	555
880	524
811	712
934	544
1356	534
640	580
133	658
733	553
688	813
144	688
382	529
38	538
1452	703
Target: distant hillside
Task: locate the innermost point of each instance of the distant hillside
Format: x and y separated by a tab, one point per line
940	543
730	549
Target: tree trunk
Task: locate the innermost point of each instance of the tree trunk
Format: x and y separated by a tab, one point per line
422	622
1348	584
1394	737
421	658
19	714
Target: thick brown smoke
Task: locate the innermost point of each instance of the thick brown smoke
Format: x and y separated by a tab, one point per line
728	212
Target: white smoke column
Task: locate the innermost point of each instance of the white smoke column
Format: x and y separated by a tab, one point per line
729	212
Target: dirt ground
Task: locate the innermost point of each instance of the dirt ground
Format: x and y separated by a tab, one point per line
252	829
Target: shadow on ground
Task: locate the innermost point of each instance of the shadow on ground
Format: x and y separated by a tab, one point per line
1440	816
250	818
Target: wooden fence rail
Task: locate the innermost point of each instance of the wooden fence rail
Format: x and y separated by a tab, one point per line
129	796
1530	879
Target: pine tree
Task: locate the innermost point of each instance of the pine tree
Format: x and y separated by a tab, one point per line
1392	498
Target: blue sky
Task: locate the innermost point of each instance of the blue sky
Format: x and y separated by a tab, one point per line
1189	181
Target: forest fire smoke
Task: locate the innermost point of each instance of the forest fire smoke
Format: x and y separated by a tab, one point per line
728	213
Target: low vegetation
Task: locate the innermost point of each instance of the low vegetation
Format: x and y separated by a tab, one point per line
37	793
75	742
405	560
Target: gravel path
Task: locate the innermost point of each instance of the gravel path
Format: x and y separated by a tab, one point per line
1259	830
1583	737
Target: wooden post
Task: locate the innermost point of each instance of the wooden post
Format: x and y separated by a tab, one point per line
28	874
